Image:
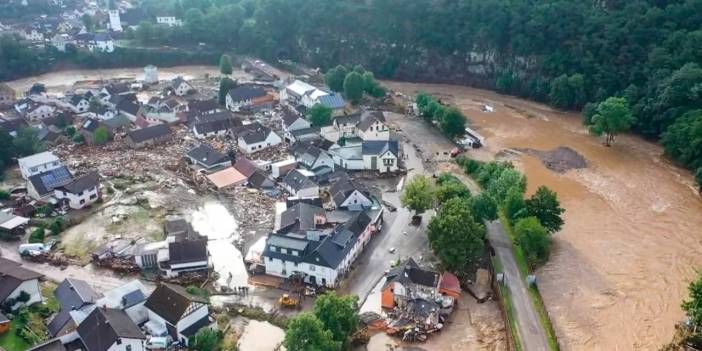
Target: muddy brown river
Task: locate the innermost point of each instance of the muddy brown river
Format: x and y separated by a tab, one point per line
633	234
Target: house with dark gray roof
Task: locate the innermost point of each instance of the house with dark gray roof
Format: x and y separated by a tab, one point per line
42	185
148	136
381	155
349	196
184	256
260	180
110	329
16	280
255	137
180	313
206	157
373	126
80	192
301	217
408	281
79	103
181	87
214	124
320	254
292	121
77	299
245	96
313	158
299	183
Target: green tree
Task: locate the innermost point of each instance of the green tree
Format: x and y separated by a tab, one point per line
353	87
205	339
484	208
319	115
145	32
225	85
418	194
27	143
433	111
422	99
37	235
613	116
452	122
101	135
306	332
338	314
56	226
506	180
534	240
514	204
7	149
225	65
37	88
544	205
454	235
88	22
78	138
334	78
448	190
4	194
683	139
693	305
70	131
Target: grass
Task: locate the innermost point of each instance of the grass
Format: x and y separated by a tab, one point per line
532	288
10	341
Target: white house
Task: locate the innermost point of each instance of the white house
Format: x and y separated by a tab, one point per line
38	163
181	87
292	121
130	298
256	137
294	92
182	256
115	23
32	34
299	183
110	329
320	254
177	312
381	155
312	157
79	103
346	125
37	111
347	195
245	96
101	42
150	74
168	20
349	155
60	40
373	127
14	280
80	192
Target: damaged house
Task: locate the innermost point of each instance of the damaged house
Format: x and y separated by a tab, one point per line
175	312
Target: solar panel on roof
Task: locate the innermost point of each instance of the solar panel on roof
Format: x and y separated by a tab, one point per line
57	177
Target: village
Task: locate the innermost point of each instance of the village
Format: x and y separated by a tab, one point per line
113	210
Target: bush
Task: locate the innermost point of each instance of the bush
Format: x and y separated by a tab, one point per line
469	166
56	226
78	138
4	194
45	210
534	240
37	235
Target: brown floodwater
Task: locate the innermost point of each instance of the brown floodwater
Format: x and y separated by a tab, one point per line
632	238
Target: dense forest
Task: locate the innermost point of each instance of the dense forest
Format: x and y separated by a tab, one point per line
572	54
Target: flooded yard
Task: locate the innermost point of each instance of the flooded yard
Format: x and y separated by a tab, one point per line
631	241
261	336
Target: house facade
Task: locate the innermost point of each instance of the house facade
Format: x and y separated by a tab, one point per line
37	111
372	126
181	87
256	137
81	192
381	156
180	313
246	97
38	163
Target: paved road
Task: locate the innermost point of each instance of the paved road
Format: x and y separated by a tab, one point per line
531	333
397	233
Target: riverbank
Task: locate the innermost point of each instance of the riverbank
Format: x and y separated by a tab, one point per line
621	264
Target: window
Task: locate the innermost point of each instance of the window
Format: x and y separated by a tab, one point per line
388	161
272	248
128	348
119	341
312	268
93	196
284	250
82	201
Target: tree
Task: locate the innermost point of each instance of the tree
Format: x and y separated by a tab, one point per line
353	87
306	333
514	204
319	115
225	85
145	32
101	135
450	189
37	235
484	208
225	65
338	314
418	194
534	240
693	305
613	116
27	143
78	138
7	149
70	131
454	235
433	111
452	122
506	180
205	339
56	226
88	22
334	78
683	139
544	205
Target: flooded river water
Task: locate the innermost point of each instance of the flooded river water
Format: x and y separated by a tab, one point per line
633	234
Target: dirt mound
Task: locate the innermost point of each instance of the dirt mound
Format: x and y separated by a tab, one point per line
560	159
